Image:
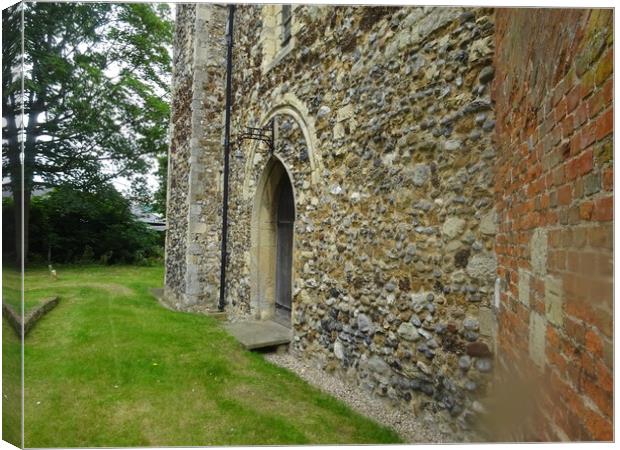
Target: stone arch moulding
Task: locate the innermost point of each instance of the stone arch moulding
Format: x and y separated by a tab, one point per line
263	238
289	104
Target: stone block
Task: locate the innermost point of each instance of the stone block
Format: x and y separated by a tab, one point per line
421	174
453	227
198	227
488	223
592	183
537	338
190	300
452	145
554	308
453	246
524	287
378	365
538	251
344	113
339	350
408	332
436	19
391	50
488	323
482	266
338	131
194	287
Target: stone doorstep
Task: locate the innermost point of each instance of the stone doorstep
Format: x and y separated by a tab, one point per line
216	314
255	334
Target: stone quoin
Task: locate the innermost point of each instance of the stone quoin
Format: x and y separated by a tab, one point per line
425	160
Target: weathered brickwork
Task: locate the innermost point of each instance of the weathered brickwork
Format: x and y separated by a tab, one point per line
431	243
554	197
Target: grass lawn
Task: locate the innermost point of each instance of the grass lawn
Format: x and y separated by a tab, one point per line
11	361
110	367
11	385
11	286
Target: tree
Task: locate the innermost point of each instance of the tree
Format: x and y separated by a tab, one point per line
72	226
160	195
95	96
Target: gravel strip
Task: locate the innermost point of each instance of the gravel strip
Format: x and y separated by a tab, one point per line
423	428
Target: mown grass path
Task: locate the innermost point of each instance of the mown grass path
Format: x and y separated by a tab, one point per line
110	367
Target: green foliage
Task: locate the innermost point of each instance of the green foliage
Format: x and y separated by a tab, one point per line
96	80
74	226
96	92
109	366
159	204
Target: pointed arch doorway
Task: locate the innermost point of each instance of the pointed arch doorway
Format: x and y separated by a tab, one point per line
272	249
285	217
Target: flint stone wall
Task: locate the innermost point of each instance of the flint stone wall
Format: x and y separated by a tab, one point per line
386	126
394	261
194	206
178	152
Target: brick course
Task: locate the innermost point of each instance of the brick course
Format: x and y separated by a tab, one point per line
553	94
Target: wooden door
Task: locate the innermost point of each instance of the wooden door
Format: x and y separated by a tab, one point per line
284	250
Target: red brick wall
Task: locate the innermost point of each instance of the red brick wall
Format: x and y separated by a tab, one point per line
554	197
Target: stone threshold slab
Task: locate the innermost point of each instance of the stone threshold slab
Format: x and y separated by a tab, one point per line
257	334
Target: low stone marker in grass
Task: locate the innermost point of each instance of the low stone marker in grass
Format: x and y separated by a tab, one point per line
31	317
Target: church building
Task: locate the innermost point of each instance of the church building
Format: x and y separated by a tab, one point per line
421	196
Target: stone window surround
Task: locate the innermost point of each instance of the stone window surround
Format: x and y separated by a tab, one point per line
271	35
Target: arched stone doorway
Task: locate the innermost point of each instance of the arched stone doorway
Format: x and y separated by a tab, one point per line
272	270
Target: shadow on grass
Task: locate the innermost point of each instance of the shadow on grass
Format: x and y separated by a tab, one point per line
112	367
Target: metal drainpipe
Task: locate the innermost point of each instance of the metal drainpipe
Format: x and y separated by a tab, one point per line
229	44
